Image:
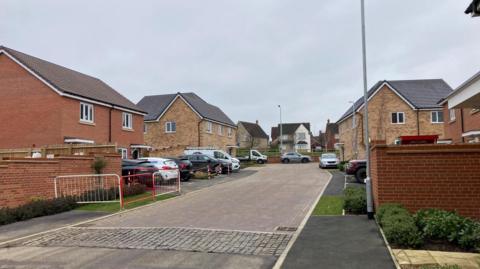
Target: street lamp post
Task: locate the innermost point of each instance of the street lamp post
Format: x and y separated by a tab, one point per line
365	122
281	130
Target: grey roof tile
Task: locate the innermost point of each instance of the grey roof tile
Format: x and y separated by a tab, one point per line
71	81
254	129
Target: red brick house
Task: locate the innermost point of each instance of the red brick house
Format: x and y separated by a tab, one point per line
331	135
43	103
462	110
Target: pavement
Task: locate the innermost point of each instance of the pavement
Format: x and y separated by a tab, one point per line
339	241
229	225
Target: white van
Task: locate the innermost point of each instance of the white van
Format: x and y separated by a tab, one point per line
215	153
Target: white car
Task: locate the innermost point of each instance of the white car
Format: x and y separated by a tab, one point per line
167	168
329	160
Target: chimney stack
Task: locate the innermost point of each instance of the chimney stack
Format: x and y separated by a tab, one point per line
328	121
256	122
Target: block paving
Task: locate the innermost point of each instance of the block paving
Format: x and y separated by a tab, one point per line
183	239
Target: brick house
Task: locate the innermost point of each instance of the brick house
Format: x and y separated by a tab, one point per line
295	136
45	104
331	135
396	108
463	109
177	121
251	135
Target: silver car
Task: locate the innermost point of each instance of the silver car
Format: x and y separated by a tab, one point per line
295	157
329	160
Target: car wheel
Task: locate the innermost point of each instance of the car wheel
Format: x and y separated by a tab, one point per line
285	160
304	160
260	161
360	175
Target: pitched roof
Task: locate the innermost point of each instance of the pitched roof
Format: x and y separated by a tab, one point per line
156	105
421	94
288	128
71	82
254	129
471	7
331	127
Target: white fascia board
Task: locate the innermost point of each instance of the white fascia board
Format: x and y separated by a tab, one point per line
78	140
391	88
59	92
464	93
471	133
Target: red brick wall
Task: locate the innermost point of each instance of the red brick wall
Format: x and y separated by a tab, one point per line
453	129
24	179
428	176
37	115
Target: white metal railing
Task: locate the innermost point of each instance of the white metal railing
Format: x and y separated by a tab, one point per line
94	188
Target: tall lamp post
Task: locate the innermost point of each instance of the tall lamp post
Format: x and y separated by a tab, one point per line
281	130
365	122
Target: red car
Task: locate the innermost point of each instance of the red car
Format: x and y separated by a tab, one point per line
358	168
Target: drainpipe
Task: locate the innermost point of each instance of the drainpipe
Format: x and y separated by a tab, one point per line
198	127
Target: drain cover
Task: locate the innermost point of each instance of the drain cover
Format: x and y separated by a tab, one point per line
286	229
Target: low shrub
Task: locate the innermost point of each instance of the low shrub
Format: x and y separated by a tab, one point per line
36	208
355	200
133	189
444	225
399	226
200	175
341	166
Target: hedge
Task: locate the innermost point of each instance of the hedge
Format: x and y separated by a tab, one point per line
399	226
35	209
355	200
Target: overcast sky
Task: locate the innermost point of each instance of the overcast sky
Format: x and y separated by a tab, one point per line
249	56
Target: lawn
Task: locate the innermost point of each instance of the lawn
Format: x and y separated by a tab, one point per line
114	207
329	206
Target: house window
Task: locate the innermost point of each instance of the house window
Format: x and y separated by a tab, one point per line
123	152
127	120
437	116
86	112
302	146
301	136
170	127
229	131
209	127
451	113
398	117
220	129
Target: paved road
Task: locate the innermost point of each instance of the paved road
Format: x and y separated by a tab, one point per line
230	225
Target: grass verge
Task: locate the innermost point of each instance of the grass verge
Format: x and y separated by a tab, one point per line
115	207
329	206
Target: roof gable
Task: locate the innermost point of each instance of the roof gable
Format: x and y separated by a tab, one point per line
156	105
254	129
288	129
70	83
418	94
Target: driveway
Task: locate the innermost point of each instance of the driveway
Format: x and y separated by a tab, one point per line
230	225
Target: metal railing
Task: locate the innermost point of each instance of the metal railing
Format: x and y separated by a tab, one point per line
96	188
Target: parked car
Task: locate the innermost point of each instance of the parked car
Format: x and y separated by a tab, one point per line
167	168
218	154
295	157
185	166
358	168
143	168
329	160
254	155
201	162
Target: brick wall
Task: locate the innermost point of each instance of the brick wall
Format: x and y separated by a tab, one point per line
454	129
428	176
25	179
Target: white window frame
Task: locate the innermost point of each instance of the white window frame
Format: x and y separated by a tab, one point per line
437	112
220	130
229	131
127	120
452	114
123	152
397	113
209	127
87	113
170	127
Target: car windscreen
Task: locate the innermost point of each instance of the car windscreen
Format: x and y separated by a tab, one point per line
329	156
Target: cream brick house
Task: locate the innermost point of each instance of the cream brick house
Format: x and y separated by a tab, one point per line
177	121
251	135
396	108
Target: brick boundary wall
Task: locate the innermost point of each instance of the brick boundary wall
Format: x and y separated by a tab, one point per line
428	176
22	180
